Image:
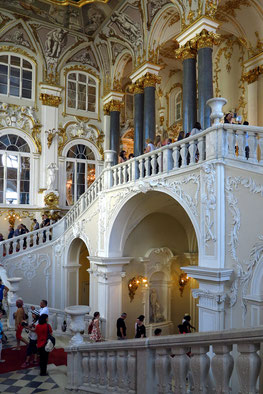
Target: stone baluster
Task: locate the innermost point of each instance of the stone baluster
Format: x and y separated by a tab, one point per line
176	156
93	364
180	363
35	239
120	181
260	142
135	170
241	143
111	367
122	369
114	177
129	171
248	367
86	369
231	138
162	368
60	320
102	368
222	368
141	168
252	144
147	166
183	153
125	173
201	149
160	160
153	164
131	369
192	150
200	364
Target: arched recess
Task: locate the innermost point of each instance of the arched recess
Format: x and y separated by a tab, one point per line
76	275
161	236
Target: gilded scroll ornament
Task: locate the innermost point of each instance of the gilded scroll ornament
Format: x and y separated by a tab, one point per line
136	87
50	99
50	136
51	200
206	39
150	80
188	51
106	109
252	75
115	105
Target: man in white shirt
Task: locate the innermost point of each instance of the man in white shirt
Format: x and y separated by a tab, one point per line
43	308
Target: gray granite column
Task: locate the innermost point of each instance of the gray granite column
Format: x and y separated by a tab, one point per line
138	122
149	107
189	93
205	85
115	133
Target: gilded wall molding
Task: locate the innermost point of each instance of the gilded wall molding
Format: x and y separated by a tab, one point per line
10	48
252	75
51	200
50	99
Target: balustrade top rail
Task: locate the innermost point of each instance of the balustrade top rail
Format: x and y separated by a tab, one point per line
236	142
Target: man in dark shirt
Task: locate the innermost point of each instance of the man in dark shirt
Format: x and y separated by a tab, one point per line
121	326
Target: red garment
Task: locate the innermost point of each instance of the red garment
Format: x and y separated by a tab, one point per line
19	332
41	330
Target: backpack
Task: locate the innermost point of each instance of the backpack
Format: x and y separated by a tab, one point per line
90	327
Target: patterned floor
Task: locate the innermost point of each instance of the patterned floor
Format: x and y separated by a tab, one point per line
26	381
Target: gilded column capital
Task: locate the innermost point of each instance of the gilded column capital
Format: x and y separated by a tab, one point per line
188	51
106	108
206	39
252	75
149	80
115	105
136	87
50	99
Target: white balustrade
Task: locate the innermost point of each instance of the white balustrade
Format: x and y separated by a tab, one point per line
174	364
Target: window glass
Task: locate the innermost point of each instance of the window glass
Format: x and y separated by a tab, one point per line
70	183
24	180
81	92
19	72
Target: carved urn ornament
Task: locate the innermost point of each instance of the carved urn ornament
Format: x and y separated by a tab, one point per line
216	104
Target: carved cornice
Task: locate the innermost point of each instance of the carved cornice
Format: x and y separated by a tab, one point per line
149	80
252	75
50	99
188	51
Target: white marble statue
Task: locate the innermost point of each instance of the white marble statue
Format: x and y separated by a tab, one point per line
156	315
51	176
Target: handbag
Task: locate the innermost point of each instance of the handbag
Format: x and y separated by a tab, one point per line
51	341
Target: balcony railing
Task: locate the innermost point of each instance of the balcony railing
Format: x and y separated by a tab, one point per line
199	363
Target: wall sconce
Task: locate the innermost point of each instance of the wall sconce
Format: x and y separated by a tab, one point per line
134	283
12	217
183	280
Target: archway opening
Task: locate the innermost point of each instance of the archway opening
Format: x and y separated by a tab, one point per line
158	233
78	278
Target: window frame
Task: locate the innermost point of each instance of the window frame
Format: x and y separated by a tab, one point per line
13	99
5	153
74	111
172	103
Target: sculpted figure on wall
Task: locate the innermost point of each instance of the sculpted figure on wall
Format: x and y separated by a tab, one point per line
55	42
155	315
95	18
127	26
51	176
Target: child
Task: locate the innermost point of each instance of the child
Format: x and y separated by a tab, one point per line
1	336
32	346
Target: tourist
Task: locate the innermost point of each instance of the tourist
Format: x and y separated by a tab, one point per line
121	326
3	293
95	332
4	248
170	141
180	136
42	330
228	118
43	308
157	332
24	230
20	318
246	147
42	224
157	142
1	336
36	224
11	232
32	346
122	157
17	231
197	129
140	331
131	156
165	138
149	146
185	327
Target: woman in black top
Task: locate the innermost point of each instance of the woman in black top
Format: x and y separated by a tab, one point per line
140	331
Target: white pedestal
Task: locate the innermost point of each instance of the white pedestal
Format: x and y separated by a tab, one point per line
77	324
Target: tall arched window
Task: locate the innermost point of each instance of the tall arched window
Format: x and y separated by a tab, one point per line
82	92
80	172
14	170
175	105
16	77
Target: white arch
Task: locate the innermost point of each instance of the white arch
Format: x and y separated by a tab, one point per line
81	141
122	232
20	133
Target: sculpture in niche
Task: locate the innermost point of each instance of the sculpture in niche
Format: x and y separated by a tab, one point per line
55	42
18	38
155	308
127	27
95	18
51	176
